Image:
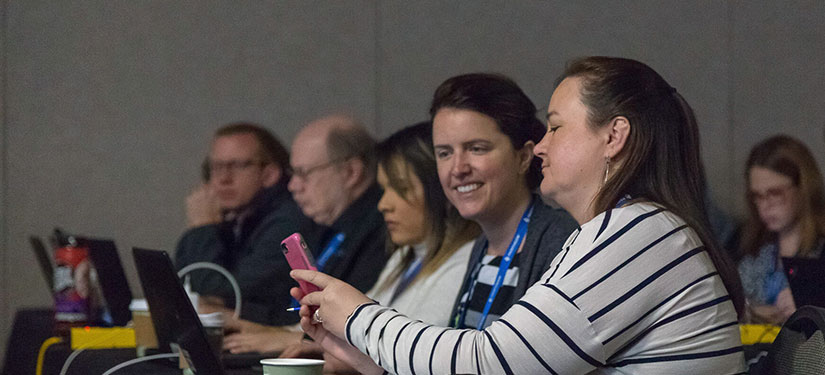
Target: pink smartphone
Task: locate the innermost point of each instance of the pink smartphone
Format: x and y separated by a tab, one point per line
299	258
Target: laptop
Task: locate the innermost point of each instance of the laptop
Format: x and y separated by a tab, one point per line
176	322
44	260
805	279
111	277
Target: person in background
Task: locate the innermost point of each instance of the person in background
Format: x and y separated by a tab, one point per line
786	218
430	241
640	287
333	181
236	218
333	168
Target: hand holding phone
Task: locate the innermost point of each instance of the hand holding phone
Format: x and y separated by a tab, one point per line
299	258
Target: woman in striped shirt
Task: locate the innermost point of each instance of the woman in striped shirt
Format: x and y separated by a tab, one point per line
640	288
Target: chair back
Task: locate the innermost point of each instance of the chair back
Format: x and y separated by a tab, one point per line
800	346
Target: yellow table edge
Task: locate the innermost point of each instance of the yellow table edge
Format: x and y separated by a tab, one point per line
758	333
102	338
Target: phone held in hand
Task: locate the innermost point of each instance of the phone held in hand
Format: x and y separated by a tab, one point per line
299	258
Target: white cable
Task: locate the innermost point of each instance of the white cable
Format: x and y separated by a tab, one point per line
138	360
69	360
212	266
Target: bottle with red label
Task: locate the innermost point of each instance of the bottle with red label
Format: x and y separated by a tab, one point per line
72	289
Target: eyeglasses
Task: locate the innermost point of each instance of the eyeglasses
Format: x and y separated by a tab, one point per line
772	196
232	166
303	173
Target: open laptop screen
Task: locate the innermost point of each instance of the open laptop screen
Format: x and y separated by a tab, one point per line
111	277
44	260
173	315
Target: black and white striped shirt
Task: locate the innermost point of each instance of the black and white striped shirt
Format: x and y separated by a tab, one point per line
632	291
476	296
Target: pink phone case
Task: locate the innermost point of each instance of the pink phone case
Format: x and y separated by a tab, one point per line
299	258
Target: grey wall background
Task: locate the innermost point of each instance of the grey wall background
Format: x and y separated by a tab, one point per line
107	107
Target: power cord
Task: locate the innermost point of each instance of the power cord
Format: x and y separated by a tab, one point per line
141	359
212	266
42	353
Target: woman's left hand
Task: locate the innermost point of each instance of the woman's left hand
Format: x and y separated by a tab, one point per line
249	336
334	303
305	349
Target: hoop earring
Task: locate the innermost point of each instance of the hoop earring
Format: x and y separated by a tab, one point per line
606	169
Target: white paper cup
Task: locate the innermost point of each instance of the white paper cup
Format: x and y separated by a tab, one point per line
293	366
144	329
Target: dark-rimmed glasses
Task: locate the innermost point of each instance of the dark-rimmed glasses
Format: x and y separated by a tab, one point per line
303	173
232	166
771	196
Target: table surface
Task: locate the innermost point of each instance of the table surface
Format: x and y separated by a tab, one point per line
32	327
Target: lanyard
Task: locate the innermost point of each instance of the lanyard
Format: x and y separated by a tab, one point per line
623	200
521	231
406	279
330	250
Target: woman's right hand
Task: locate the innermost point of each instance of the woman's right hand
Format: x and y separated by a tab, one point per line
335	302
330	343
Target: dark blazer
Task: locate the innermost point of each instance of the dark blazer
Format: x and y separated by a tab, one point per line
362	255
254	258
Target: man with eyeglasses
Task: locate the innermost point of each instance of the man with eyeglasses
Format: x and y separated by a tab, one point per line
333	181
334	167
237	219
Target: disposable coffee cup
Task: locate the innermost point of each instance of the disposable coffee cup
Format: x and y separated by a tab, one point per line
293	366
213	326
144	330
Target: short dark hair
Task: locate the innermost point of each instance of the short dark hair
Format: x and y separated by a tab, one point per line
271	149
661	160
500	98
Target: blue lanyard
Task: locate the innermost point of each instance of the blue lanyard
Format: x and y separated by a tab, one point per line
623	200
521	231
330	250
412	270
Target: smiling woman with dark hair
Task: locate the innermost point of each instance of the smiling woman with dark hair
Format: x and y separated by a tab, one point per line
640	287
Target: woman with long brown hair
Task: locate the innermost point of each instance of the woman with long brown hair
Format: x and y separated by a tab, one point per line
786	218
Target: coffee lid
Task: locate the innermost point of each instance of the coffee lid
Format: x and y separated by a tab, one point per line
292	362
139	305
214	319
